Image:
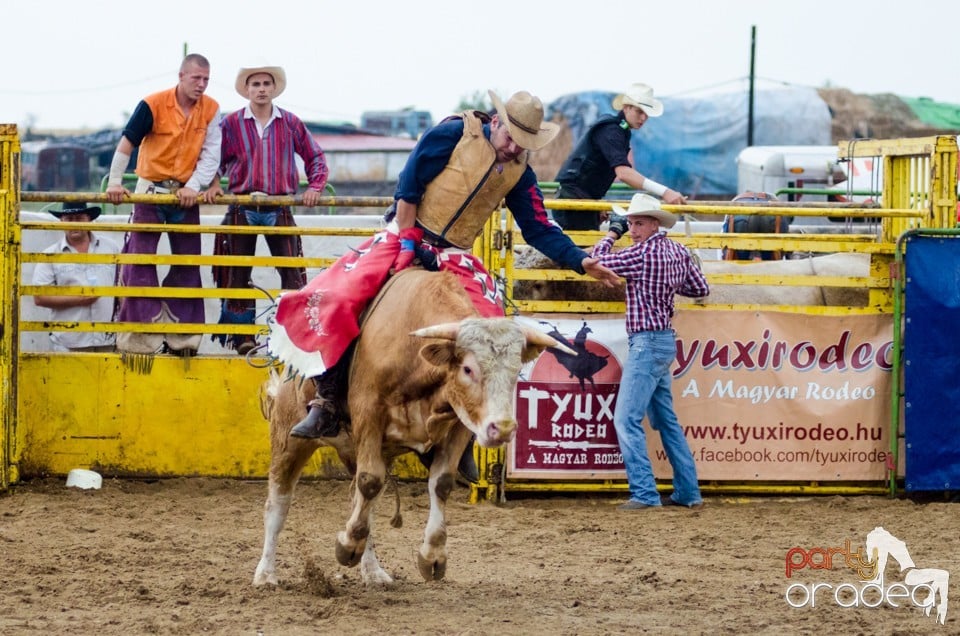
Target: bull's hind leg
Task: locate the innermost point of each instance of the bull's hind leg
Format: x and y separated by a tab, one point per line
371	473
370	570
285	468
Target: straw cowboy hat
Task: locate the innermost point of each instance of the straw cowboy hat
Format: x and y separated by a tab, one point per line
641	96
276	72
523	115
76	207
646	205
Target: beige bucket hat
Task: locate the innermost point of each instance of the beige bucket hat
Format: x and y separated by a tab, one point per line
523	114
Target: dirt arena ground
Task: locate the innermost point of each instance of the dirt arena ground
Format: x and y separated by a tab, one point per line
177	557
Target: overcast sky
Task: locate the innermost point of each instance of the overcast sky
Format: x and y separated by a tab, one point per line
74	64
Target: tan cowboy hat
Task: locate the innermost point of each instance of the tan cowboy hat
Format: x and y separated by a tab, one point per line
641	96
646	205
276	72
523	115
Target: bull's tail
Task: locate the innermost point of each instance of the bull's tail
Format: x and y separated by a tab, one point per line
397	520
268	393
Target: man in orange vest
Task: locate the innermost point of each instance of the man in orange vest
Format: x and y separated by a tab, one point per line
177	132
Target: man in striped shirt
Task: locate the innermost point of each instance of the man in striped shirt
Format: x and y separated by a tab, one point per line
656	268
259	142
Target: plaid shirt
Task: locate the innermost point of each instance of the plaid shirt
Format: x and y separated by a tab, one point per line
655	270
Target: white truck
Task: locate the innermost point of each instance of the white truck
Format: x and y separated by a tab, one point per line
810	174
783	170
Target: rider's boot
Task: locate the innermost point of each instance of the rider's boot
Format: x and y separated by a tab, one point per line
323	412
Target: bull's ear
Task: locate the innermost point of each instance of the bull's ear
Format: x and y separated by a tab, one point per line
439	354
531	353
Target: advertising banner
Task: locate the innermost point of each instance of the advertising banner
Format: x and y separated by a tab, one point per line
760	396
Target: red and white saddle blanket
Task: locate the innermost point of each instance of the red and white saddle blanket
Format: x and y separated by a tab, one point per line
313	326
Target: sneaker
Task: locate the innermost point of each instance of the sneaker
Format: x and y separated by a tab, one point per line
246	347
667	500
636	505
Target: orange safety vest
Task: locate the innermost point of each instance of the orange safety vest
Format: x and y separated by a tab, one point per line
172	148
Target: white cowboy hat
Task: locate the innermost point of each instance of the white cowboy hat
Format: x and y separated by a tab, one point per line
276	72
523	115
641	96
646	205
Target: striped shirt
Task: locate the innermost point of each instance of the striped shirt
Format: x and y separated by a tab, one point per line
265	163
655	270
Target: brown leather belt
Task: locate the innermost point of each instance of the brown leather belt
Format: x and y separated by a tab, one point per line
262	208
436	241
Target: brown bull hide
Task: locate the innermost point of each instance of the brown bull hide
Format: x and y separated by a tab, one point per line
424	364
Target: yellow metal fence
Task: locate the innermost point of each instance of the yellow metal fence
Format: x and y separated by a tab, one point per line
201	416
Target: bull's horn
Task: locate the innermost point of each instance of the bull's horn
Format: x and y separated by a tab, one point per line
445	331
535	337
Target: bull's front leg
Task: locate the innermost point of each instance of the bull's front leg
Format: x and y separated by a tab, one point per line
432	557
369	481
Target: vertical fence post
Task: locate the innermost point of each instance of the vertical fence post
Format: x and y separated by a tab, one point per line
10	284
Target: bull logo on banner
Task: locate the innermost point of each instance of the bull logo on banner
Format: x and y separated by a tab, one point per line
586	363
565	408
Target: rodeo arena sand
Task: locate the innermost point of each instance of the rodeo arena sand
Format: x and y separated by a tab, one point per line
177	556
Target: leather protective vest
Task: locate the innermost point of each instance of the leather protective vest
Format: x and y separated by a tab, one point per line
586	171
458	202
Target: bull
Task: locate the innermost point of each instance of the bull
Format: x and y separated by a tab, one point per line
424	364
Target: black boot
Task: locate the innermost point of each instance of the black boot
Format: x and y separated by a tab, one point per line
324	413
467	467
319	422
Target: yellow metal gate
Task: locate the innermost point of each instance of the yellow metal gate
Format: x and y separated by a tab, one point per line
9	281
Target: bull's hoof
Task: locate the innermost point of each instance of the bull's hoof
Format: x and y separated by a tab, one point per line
348	557
431	571
263	577
375	577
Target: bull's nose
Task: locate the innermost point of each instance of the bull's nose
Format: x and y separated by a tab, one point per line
502	431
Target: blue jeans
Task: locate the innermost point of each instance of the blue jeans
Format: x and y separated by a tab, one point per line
645	389
265	219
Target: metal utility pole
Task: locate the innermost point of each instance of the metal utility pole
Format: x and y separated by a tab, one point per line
753	59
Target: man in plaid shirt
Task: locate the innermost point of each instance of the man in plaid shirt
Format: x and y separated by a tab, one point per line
656	268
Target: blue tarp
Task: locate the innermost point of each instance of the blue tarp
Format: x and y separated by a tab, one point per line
931	364
693	146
